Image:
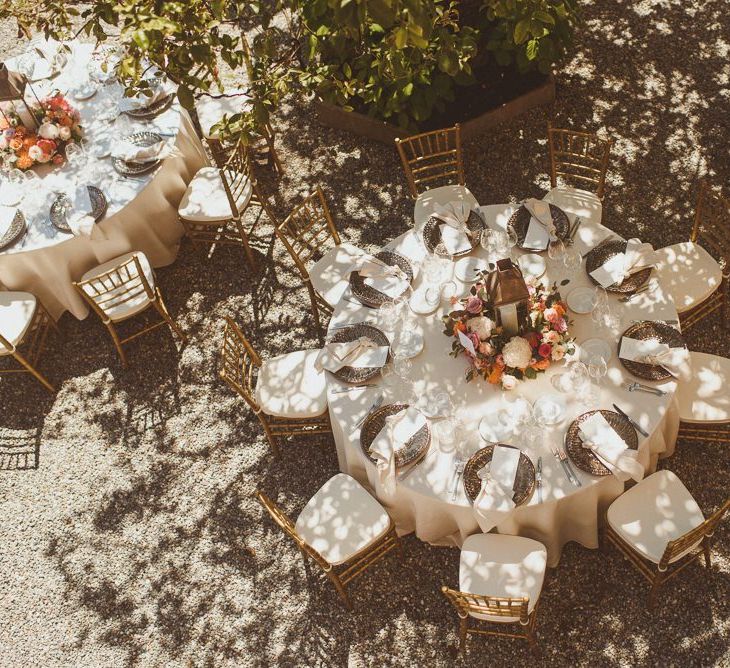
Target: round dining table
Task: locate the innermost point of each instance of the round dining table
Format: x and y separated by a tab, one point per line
142	210
424	501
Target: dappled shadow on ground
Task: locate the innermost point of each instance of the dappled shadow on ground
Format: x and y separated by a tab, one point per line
139	517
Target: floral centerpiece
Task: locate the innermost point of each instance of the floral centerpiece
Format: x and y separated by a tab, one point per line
58	124
499	357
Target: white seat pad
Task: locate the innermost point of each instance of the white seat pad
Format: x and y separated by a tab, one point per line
289	386
119	310
341	519
706	397
657	510
329	275
688	272
577	202
442	196
16	314
211	109
205	200
501	565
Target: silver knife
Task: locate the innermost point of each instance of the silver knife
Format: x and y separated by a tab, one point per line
538	479
376	404
632	422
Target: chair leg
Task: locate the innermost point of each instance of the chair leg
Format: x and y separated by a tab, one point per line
269	436
246	246
462	634
654	591
117	342
315	311
162	309
39	377
340	588
706	550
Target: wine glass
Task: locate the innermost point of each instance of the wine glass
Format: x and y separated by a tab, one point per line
388	316
572	259
556	250
512	240
597	369
432	273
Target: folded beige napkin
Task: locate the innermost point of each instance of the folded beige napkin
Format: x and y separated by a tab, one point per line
361	354
497	489
397	431
675	360
454	231
78	214
142	101
617	269
129	152
601	438
385	278
542	228
7	215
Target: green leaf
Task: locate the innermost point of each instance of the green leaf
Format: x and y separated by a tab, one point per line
530	373
544	17
408	89
522	29
401	38
533	46
185	95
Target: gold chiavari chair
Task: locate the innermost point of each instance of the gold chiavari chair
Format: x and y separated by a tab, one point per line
213	207
311	237
24	324
286	393
122	288
579	157
659	527
317	532
704	401
500	580
432	159
697	272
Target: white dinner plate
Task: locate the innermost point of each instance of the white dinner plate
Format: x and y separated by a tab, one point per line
466	268
418	302
550	409
592	347
408	344
10	193
580	300
532	264
84	91
492	430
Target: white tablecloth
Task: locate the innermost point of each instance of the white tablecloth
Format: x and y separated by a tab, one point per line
142	212
423	503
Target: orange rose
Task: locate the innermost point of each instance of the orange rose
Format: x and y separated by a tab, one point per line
559	309
67	121
24	161
459	327
495	375
29	141
541	365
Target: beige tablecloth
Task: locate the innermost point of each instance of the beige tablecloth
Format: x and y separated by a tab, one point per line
423	501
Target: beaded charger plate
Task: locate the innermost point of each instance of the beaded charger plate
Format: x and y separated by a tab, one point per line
582	457
411	452
15	231
131	168
369	295
520	221
602	254
152	110
646	331
59	208
524	480
432	234
351	374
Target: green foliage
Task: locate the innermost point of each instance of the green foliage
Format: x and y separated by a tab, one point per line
533	34
398	59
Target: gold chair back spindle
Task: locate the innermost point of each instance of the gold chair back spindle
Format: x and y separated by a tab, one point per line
309	231
432	159
467	604
239	365
711	230
581	158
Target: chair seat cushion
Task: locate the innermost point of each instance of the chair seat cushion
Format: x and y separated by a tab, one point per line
706	397
329	275
657	510
426	200
578	202
505	566
112	305
16	315
341	519
689	273
211	109
205	200
289	386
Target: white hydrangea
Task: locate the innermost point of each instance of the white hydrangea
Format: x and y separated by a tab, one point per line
517	353
481	326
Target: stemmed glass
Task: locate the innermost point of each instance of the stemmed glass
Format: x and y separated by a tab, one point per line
496	243
572	259
512	240
433	272
556	250
597	369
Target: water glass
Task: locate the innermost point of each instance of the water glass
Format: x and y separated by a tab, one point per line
556	250
572	259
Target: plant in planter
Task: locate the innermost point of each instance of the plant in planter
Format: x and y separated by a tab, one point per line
397	60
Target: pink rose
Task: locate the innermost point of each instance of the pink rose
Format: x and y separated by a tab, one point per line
551	315
545	350
486	348
474	305
558	353
474	338
551	337
58	159
509	382
561	326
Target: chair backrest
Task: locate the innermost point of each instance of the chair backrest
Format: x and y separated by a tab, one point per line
239	363
308	230
237	176
283	520
124	283
712	224
495	606
580	158
432	159
676	547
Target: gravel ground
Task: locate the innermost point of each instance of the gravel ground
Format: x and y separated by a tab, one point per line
127	544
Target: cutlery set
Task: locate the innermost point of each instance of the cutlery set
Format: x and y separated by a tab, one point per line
560	456
632	422
640	291
638	387
571	234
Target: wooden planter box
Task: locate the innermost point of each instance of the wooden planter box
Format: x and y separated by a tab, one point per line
386	133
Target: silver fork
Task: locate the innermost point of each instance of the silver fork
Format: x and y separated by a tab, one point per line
376	404
571	234
633	387
459	468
